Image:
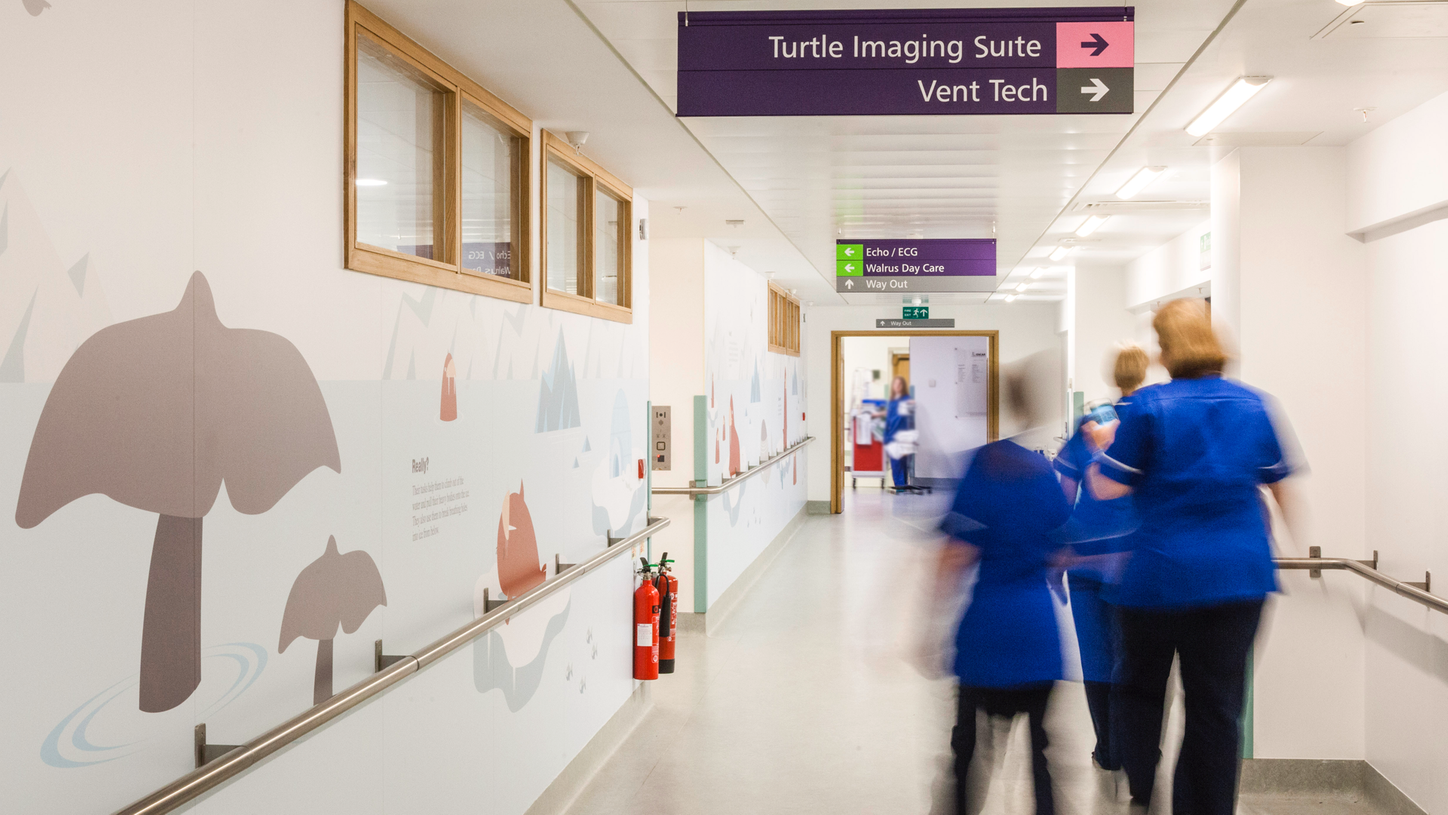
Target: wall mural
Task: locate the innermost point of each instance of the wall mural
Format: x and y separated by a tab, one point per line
558	394
334	590
750	416
518	567
448	411
156	413
148	418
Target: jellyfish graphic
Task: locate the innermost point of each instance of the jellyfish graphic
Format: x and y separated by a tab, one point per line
334	590
156	413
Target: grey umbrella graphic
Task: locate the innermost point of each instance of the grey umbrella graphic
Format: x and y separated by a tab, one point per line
333	590
156	413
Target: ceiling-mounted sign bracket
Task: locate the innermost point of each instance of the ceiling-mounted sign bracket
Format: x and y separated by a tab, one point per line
893	62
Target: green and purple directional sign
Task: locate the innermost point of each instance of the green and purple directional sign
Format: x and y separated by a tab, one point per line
906	62
904	266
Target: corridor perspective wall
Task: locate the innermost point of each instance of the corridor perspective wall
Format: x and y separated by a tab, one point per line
198	399
1398	204
755	408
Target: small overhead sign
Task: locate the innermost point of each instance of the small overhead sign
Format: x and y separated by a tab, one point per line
903	266
884	322
906	62
915	312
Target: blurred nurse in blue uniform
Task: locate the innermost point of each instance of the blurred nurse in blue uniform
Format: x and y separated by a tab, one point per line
1097	535
1007	646
1194	453
897	418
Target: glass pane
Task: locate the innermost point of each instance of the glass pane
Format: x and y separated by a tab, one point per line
399	153
608	253
490	173
565	228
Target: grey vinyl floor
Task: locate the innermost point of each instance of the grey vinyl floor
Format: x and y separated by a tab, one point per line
806	699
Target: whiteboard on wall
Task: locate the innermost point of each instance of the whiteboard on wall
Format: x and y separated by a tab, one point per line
971	372
950	378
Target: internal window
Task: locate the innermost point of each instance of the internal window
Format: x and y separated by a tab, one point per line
436	169
587	223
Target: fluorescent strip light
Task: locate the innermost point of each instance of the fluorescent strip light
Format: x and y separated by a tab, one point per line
1350	2
1091	225
1010	298
1138	182
1234	97
1036	273
1060	252
371	182
1022	287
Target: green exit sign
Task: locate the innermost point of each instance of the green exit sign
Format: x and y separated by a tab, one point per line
916	313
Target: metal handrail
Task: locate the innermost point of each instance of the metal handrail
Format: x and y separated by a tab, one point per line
730	482
192	785
1417	592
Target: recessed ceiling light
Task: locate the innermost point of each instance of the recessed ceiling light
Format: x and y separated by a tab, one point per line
1091	224
1138	181
1036	273
1060	252
1022	287
1010	298
1234	97
1350	2
371	182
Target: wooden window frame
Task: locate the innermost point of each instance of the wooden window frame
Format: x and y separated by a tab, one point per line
595	179
783	311
446	270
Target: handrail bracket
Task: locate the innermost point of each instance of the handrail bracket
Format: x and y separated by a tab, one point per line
207	753
489	603
381	661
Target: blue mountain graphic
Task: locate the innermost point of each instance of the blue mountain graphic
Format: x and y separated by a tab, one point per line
754	395
558	394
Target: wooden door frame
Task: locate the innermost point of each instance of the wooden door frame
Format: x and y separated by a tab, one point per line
895	358
837	397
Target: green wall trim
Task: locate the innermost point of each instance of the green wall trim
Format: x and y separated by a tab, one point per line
701	507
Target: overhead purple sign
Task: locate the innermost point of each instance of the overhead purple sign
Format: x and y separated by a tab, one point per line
954	264
907	62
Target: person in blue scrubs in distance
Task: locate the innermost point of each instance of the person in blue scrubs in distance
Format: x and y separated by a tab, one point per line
1194	452
1007	646
895	421
1097	535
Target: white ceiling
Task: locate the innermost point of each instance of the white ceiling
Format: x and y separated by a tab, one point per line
607	66
819	178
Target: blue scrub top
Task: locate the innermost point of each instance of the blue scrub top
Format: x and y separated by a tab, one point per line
1008	504
1096	527
1196	451
895	421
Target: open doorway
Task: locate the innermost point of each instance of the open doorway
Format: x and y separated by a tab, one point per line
959	399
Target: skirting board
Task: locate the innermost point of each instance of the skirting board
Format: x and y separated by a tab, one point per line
817	507
1312	777
574	778
709	622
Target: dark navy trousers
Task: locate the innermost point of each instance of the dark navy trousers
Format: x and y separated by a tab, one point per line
1213	644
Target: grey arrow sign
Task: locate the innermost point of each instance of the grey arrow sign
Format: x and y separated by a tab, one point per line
1094	90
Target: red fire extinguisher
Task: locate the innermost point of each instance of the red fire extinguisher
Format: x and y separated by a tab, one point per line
646	627
668	587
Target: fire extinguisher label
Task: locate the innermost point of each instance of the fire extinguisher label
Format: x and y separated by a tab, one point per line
646	635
